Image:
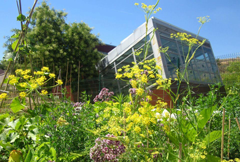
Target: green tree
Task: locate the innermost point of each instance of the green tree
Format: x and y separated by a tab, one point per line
52	42
231	76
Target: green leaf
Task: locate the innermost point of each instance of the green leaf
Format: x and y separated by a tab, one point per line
14	45
6	146
16	105
3	116
13	124
21	17
15	35
205	115
53	152
29	156
212	136
188	130
10	59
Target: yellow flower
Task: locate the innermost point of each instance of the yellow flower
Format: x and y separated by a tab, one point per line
13	81
136	4
34	86
51	75
203	156
27	76
151	76
45	69
11	76
40	81
137	129
119	70
59	82
25	72
61	121
38	72
22	94
144	78
23	85
44	92
133	83
118	76
144	6
19	71
3	96
139	91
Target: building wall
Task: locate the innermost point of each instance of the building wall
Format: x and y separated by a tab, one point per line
201	70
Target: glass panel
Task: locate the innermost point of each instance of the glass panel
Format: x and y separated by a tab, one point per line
109	81
172	71
209	55
204	77
127	61
184	52
121	58
172	59
191	75
140	57
169	43
125	89
214	68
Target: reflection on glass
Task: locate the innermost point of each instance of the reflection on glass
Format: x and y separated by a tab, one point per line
209	55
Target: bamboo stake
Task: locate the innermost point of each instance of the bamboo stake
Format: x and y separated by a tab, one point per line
222	143
70	82
53	73
180	152
229	127
79	63
66	76
237	123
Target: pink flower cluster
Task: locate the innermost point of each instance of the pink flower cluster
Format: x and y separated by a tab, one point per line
106	150
104	95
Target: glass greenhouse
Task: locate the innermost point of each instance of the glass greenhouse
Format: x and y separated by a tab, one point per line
202	68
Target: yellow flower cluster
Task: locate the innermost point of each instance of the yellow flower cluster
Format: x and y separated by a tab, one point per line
3	96
22	94
186	38
203	20
30	83
148	8
61	121
197	151
44	92
231	160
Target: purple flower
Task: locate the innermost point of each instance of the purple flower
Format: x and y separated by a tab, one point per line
132	91
106	150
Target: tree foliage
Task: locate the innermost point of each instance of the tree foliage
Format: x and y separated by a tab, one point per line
51	42
57	42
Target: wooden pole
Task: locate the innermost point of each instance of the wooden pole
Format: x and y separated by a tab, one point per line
222	143
79	63
53	73
229	127
70	78
237	123
180	152
66	76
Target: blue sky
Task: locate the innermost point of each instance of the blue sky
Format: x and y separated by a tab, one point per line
114	20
